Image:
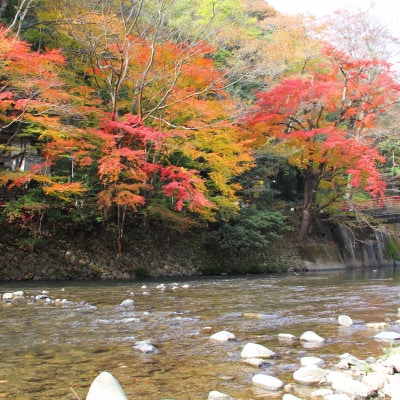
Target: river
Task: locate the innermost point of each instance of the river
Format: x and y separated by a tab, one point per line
53	351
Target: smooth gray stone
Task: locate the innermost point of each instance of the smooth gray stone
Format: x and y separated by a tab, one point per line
105	387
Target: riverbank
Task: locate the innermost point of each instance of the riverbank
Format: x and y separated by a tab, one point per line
94	256
161	255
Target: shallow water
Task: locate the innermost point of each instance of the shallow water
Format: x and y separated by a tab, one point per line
52	352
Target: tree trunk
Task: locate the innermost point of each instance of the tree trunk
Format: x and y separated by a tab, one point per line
311	183
121	223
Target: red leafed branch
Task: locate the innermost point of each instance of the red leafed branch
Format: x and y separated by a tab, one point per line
185	186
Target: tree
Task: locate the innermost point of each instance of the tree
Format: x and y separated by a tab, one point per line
360	35
31	92
319	121
35	107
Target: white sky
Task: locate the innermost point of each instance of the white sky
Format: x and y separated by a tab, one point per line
388	11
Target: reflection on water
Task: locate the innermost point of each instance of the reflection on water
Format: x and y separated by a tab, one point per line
46	349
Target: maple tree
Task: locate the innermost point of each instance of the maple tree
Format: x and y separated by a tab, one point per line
34	107
153	126
175	88
30	84
319	121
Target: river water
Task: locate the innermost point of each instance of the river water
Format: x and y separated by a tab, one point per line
53	351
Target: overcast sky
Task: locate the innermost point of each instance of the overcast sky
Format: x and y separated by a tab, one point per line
388	11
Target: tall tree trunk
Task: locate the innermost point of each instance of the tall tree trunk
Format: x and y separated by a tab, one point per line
121	224
311	183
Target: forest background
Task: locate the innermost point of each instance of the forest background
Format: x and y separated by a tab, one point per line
222	123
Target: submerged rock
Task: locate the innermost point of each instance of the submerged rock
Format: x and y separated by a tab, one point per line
286	337
42	297
145	346
105	387
377	325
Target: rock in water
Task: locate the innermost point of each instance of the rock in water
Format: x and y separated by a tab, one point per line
214	395
311	336
223	336
387	335
145	346
345	320
254	350
127	303
267	382
105	387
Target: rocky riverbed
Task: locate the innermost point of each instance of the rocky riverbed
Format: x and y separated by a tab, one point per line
343	377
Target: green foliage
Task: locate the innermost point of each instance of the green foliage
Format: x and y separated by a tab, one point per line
141	272
158	212
390	148
24	208
393	248
28	243
390	351
8	14
250	230
271	179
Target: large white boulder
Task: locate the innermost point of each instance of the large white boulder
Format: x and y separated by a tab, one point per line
387	335
254	350
310	361
105	387
267	382
310	336
223	336
214	395
289	396
391	390
345	384
311	375
345	320
337	396
394	362
376	380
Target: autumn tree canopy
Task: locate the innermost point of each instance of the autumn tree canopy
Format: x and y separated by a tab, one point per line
318	120
137	108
